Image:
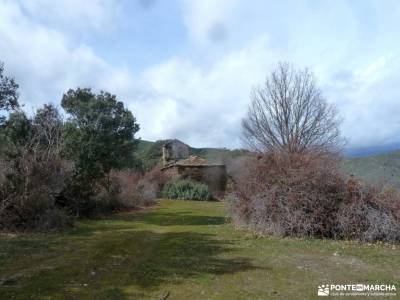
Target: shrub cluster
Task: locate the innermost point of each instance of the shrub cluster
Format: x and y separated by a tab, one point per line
44	195
29	194
369	214
306	196
138	190
186	190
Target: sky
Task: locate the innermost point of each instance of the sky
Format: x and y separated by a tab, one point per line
186	68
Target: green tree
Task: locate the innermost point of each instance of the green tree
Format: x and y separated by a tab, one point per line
16	132
8	101
8	91
99	133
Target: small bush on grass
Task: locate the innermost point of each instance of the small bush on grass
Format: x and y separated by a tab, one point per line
136	190
186	190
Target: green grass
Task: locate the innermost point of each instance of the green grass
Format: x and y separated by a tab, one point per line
183	250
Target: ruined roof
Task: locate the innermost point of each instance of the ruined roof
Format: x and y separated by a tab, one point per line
194	160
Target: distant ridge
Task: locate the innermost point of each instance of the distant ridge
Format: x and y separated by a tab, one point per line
369	151
382	169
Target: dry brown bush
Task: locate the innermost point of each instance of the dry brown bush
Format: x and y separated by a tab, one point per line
29	194
138	190
33	173
291	195
369	214
304	195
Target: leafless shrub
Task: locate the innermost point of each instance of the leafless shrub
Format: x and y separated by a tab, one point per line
290	194
28	196
138	190
157	177
127	182
369	214
33	177
146	193
304	195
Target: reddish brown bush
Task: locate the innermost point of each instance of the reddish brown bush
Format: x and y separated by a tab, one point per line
136	189
369	214
28	194
157	177
289	195
305	195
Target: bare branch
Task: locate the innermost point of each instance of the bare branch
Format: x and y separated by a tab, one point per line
290	114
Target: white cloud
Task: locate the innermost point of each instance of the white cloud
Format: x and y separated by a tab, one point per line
96	15
204	18
201	94
351	47
208	102
177	98
44	60
369	103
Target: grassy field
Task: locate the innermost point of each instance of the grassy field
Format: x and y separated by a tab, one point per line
182	250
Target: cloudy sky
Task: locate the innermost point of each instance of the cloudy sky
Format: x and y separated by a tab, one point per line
186	68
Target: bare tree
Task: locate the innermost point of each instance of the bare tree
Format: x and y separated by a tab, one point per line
34	172
290	114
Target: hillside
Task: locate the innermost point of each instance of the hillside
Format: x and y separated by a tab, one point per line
377	169
144	146
211	154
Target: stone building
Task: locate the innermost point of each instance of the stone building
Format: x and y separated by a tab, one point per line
178	163
173	151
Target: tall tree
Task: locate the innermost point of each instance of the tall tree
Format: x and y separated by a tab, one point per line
99	133
290	114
